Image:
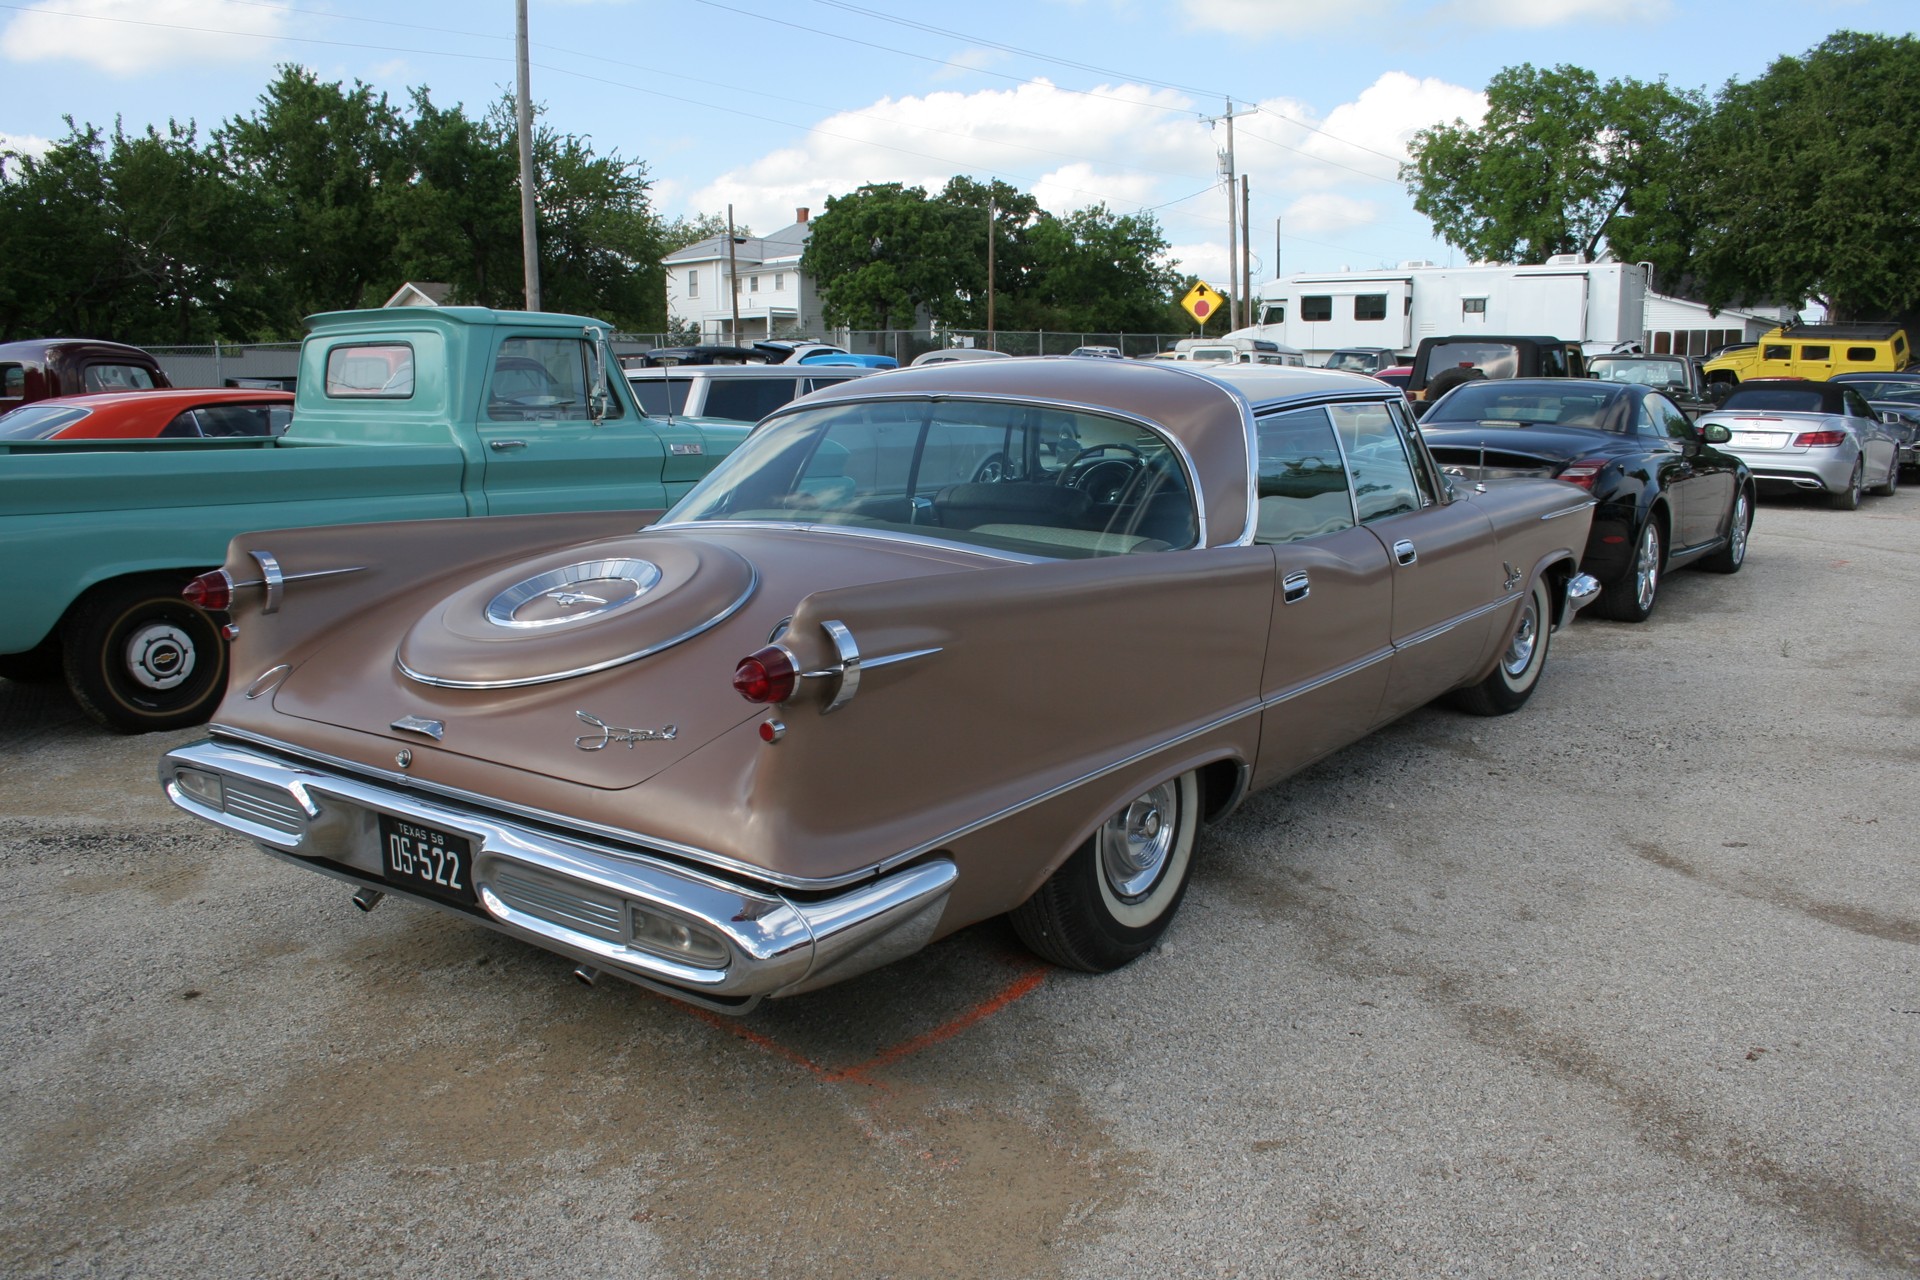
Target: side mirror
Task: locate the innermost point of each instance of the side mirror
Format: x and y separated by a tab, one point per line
1715	433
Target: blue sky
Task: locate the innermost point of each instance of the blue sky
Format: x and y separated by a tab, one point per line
773	106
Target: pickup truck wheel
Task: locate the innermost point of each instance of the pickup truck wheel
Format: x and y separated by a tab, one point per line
139	658
1111	901
1522	658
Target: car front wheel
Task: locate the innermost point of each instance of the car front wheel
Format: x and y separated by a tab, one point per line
1522	658
1113	898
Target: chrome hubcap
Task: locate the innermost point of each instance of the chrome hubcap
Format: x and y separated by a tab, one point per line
1136	842
1646	568
160	655
1525	637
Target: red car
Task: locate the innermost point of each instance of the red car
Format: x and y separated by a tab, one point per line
158	414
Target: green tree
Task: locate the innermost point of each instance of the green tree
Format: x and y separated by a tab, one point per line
1098	270
1015	213
1804	181
457	217
1561	163
317	158
688	229
880	254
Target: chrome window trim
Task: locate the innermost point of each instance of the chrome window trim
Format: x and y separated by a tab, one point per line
1195	490
520	682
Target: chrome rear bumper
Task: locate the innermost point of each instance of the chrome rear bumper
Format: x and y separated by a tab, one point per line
604	906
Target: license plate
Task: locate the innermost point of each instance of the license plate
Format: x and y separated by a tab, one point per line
1759	439
427	861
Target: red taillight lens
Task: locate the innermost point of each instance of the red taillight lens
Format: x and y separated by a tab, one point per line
766	676
1584	472
210	591
1819	439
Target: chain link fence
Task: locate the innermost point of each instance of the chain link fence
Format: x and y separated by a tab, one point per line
277	364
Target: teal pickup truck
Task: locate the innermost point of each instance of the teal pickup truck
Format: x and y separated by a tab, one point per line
410	413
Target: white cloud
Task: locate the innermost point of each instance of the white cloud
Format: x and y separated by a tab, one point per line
1536	14
1325	213
127	37
25	143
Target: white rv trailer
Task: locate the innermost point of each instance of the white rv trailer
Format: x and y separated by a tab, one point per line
1601	305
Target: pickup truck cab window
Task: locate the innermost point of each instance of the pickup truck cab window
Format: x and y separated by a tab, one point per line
537	379
370	371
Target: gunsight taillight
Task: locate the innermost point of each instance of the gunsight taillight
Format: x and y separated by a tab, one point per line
210	591
766	675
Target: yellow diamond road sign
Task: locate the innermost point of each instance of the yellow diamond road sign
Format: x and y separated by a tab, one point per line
1201	301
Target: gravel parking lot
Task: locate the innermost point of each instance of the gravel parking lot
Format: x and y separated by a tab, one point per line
1624	984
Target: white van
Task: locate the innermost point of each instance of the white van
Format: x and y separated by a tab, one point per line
1237	351
731	392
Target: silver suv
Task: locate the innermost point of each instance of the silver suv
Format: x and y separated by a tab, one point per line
731	392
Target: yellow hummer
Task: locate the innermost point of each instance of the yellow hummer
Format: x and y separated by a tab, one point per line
1813	351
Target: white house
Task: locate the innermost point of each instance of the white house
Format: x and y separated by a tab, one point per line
775	298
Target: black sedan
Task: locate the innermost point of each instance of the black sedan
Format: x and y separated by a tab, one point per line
1666	497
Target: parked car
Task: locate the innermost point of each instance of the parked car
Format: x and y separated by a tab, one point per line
1815	351
1363	359
1815	437
841	701
1896	398
731	393
1398	375
158	414
45	368
1098	353
956	355
851	359
1678	377
1441	363
1231	350
1667	496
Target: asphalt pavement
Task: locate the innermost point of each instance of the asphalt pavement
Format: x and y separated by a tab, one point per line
1623	984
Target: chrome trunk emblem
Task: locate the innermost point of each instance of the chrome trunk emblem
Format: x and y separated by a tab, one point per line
555	598
614	733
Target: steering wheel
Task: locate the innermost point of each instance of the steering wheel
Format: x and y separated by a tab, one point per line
1079	471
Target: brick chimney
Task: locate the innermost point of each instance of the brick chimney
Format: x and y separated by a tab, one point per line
800	214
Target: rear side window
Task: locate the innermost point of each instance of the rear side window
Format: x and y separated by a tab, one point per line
748	399
1370	306
1383	483
370	371
1861	353
660	397
1302	485
226	420
116	377
1316	307
1816	353
13	381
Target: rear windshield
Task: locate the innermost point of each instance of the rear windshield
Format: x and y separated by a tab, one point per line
116	377
1779	399
1888	390
1495	359
1500	402
748	399
1035	480
1645	373
39	421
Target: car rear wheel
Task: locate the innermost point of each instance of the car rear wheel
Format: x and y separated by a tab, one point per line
1730	557
1848	499
1891	485
140	658
1630	597
1113	898
1524	656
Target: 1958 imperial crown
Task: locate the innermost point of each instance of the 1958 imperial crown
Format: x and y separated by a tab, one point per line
932	646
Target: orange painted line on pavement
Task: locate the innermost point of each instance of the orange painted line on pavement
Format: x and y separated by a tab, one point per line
735	1028
1018	988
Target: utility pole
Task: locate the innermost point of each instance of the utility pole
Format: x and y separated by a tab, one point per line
1246	250
523	108
733	274
1234	291
990	239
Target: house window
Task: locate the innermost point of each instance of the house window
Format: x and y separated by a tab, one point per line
693	284
1473	306
779	281
1316	307
753	284
1370	306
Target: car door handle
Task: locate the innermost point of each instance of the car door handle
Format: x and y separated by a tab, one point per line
1403	552
501	446
1294	588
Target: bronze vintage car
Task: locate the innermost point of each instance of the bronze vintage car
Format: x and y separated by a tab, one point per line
931	646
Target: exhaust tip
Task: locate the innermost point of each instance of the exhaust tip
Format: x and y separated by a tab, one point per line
368	899
586	975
